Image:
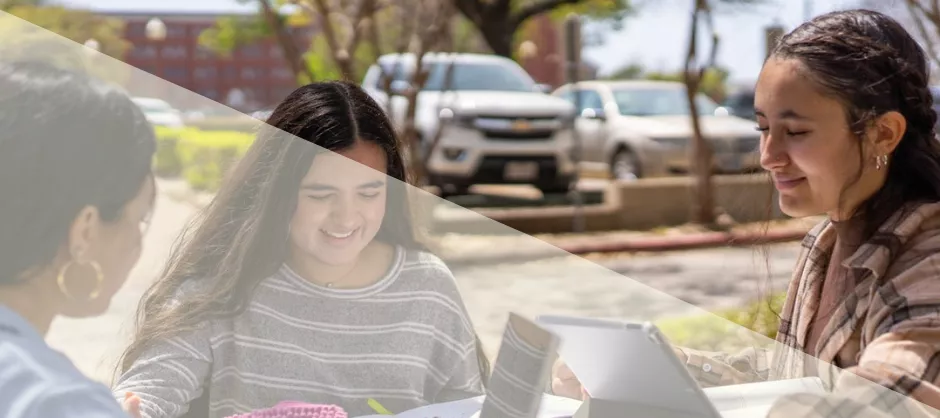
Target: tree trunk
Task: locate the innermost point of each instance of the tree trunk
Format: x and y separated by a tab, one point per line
498	36
288	46
703	210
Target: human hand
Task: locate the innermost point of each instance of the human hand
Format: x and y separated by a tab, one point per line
565	383
131	405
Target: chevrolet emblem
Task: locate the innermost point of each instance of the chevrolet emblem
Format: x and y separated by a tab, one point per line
521	125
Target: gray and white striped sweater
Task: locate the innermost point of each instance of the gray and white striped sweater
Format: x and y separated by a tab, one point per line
405	341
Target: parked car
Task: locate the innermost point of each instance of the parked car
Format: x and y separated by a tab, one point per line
740	102
497	124
643	129
159	112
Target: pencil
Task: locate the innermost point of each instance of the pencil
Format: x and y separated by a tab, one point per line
378	407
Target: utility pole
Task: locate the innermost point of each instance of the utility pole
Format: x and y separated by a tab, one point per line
807	10
573	61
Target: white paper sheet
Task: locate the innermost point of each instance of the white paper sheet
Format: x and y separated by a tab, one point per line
551	407
761	394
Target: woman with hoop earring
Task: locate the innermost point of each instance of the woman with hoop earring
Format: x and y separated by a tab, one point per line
76	191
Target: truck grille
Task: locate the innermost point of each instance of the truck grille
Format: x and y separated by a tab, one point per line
511	128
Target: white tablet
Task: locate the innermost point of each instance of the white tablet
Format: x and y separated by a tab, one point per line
627	362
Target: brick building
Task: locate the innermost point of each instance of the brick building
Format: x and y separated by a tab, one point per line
252	77
257	76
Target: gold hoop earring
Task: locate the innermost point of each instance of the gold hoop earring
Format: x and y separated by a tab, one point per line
881	161
99	277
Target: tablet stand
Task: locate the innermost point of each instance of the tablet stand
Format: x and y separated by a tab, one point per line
600	408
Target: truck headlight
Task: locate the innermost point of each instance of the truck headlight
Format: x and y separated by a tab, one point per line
447	116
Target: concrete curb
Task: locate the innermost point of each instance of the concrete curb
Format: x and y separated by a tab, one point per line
638	244
690	241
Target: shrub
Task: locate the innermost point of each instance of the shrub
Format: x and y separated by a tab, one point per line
240	123
727	330
166	161
206	156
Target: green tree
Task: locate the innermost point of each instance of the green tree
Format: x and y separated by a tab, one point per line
498	21
230	33
73	24
55	34
348	42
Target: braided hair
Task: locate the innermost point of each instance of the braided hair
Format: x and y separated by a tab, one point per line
872	65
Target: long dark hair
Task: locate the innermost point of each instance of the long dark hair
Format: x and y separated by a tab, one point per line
249	215
67	141
872	65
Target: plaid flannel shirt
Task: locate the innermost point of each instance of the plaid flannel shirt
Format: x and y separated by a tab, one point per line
889	324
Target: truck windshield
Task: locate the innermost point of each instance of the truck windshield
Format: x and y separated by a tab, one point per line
486	76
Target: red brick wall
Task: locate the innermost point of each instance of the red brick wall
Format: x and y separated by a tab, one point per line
259	70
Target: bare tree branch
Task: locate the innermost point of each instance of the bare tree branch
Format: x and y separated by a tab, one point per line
287	43
471	9
703	211
365	10
324	11
437	20
343	52
536	9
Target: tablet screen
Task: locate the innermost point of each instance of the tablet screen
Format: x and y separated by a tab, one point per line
619	361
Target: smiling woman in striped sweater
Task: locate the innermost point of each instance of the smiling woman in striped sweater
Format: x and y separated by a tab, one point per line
303	281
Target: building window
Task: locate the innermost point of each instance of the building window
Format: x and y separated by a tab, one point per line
281	73
252	51
195	31
136	30
205	72
229	73
203	53
144	51
281	92
276	52
175	31
250	74
175	72
210	93
173	52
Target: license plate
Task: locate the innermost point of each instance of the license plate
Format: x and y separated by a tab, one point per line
521	170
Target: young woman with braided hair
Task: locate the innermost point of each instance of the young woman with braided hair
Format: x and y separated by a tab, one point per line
847	127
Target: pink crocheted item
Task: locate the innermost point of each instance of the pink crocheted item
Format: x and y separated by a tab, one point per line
291	409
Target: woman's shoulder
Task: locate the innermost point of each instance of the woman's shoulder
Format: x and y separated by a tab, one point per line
908	243
45	381
423	259
426	271
914	227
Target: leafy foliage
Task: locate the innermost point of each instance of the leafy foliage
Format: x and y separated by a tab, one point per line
54	34
72	24
230	33
714	82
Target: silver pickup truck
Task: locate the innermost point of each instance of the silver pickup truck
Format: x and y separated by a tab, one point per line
498	125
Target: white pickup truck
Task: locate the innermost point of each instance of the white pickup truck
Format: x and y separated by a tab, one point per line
498	124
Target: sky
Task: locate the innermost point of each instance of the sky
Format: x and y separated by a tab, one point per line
665	21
